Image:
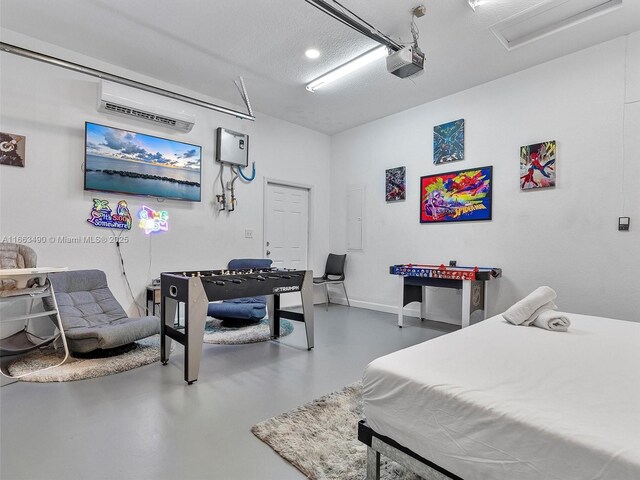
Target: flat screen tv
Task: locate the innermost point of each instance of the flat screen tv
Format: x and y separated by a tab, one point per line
121	161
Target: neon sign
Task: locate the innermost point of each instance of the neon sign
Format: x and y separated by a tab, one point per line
153	221
102	215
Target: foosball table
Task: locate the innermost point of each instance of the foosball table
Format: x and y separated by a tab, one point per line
195	289
473	281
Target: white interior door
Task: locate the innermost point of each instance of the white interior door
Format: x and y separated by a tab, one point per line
286	231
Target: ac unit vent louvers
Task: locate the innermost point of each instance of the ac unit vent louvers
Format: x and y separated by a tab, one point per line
125	101
138	113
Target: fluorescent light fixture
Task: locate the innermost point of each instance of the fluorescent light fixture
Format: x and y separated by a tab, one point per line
548	18
312	53
349	67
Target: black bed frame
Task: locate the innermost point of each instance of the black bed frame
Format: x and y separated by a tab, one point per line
380	445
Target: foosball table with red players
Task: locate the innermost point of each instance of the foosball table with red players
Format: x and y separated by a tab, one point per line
473	281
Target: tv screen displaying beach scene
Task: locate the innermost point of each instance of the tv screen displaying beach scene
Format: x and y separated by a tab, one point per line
121	161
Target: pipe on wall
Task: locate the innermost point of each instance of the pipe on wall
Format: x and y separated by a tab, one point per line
41	57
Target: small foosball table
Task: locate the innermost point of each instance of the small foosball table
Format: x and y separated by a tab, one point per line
473	281
196	289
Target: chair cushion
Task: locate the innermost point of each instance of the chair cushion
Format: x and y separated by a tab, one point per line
111	335
240	263
241	308
84	299
323	280
13	255
261	300
91	316
248	308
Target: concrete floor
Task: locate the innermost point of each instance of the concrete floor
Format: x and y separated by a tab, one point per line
147	423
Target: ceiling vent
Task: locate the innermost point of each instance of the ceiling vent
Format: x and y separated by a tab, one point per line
547	18
128	102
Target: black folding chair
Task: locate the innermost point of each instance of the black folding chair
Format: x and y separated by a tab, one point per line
333	275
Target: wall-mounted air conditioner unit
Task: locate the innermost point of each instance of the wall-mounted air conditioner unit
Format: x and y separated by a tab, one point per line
129	102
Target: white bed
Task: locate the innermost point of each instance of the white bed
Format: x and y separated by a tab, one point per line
497	401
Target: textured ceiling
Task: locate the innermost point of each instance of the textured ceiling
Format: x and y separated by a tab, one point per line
202	45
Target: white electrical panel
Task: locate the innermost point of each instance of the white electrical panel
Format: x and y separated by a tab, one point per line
232	147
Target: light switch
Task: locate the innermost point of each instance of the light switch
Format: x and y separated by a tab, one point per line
624	223
248	233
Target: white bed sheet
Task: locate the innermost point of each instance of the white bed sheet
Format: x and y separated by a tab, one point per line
503	402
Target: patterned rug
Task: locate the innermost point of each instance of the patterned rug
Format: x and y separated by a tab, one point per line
320	439
216	332
147	351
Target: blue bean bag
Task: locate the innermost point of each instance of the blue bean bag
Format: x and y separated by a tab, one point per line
242	310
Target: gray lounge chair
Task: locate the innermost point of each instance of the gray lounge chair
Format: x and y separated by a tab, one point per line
92	317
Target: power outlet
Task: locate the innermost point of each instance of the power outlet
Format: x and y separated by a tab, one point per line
248	233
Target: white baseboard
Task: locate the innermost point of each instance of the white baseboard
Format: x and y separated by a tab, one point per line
393	309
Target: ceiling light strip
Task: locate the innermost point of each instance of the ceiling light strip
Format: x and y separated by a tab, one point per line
349	67
548	18
23	52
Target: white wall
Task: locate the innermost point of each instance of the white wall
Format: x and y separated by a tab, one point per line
564	237
50	105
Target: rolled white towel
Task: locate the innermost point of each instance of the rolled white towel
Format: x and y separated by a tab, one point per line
543	308
523	310
552	320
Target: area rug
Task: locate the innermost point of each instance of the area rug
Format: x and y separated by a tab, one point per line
147	351
320	439
216	332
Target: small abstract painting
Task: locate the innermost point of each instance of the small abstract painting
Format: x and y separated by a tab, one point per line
459	196
12	149
538	165
396	184
448	142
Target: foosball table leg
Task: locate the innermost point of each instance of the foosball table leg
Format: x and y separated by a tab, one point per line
486	298
307	306
168	314
423	304
466	302
401	301
195	318
271	313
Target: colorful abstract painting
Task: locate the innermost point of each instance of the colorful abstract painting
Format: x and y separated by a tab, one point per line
459	196
448	142
12	149
538	165
396	184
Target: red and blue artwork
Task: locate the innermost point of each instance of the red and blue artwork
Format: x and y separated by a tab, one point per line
464	195
538	165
